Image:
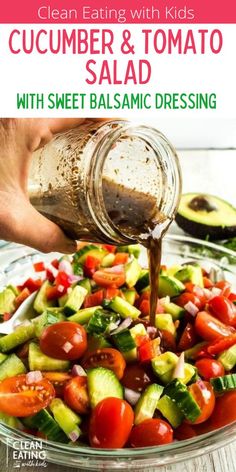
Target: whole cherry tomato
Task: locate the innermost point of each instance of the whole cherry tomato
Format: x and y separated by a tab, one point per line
223	309
64	340
151	432
209	368
111	423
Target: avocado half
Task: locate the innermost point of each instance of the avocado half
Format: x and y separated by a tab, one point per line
203	215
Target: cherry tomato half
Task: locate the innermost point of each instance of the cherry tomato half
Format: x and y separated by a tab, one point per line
58	380
223	309
107	357
209	328
188	338
76	394
209	368
152	432
110	423
204	396
19	398
112	277
64	340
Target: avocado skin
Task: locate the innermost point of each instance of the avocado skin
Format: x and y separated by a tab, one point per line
201	231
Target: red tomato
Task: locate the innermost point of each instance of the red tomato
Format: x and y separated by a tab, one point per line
7	316
186	297
110	277
198	292
58	379
225	411
109	248
111	423
76	394
144	307
107	357
64	340
232	297
32	284
204	396
62	279
23	351
209	368
137	377
207	282
209	328
223	309
39	266
55	263
220	345
120	258
168	342
225	287
110	293
52	293
19	398
184	431
188	338
149	350
21	297
91	265
94	299
152	432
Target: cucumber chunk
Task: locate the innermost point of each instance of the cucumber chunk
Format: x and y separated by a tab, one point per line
46	319
174	310
11	366
41	303
180	395
11	421
143	280
85	283
65	417
7	298
165	364
45	423
101	320
130	295
132	272
75	300
132	249
89	250
121	306
147	403
169	286
39	361
19	336
165	321
124	341
228	358
103	383
2	357
170	411
108	260
191	273
84	315
224	384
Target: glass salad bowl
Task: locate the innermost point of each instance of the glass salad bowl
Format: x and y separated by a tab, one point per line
16	265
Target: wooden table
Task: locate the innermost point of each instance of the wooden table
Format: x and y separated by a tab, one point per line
206	173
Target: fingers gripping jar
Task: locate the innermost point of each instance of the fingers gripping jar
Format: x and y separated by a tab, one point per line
111	181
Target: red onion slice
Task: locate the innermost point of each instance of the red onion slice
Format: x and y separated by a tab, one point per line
65	266
125	324
77	370
191	308
33	377
75	278
179	368
216	291
131	396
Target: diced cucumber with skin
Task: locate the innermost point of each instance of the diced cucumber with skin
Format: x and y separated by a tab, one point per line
11	421
46	319
164	366
169	286
191	353
77	268
83	316
14	289
132	249
191	273
174	310
2	357
39	361
228	358
108	260
45	423
62	300
170	411
124	341
137	330
147	403
65	417
41	303
132	272
171	271
11	366
224	384
100	321
121	306
130	295
143	280
184	400
19	336
85	283
165	321
7	298
75	300
90	250
102	383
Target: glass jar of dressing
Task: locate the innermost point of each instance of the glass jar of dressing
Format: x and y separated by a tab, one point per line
114	181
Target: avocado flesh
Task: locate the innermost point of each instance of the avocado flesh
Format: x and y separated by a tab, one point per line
214	217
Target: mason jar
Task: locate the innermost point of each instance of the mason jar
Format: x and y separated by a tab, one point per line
113	181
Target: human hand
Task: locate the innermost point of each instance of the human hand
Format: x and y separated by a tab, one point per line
19	220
